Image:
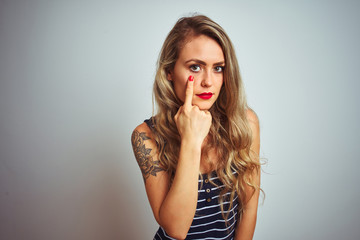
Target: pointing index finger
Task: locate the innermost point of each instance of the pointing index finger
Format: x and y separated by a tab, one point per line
189	91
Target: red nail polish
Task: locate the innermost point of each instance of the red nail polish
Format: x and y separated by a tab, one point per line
191	78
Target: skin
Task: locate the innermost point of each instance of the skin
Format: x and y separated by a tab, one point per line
202	58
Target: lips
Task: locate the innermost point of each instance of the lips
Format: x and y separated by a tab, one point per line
205	95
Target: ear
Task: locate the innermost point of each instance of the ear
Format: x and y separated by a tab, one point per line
169	76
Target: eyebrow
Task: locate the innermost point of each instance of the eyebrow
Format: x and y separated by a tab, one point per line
202	62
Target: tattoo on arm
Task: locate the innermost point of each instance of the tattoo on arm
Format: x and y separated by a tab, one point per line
146	162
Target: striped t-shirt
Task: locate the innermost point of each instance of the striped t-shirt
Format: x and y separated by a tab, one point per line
208	222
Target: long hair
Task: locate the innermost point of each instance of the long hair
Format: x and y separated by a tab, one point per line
229	133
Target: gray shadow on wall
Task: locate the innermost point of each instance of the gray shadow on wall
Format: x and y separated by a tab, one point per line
117	204
91	190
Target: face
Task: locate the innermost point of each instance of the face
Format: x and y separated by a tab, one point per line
203	58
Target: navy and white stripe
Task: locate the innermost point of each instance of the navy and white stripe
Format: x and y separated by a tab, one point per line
208	222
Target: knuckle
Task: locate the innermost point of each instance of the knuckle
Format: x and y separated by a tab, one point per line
186	111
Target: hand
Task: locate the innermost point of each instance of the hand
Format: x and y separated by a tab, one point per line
192	123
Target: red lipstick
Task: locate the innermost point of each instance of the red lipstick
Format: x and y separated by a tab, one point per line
205	95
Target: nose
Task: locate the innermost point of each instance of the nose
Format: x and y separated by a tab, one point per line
207	79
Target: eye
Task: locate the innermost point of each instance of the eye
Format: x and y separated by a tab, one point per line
195	68
219	68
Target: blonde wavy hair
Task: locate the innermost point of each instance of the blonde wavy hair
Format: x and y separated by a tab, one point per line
230	133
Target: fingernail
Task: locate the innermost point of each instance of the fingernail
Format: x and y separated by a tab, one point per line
191	78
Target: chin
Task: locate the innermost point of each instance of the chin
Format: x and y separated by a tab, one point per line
204	106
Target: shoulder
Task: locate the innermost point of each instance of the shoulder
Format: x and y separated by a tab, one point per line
143	127
146	127
253	121
142	134
252	117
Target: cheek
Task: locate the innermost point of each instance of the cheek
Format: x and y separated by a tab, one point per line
220	83
179	88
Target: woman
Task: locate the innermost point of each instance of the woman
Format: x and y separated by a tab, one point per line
199	155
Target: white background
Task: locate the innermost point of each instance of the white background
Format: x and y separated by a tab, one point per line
76	79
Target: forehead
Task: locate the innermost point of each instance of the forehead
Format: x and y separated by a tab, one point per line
203	48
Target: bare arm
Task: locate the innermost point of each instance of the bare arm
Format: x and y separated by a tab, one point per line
174	206
246	227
